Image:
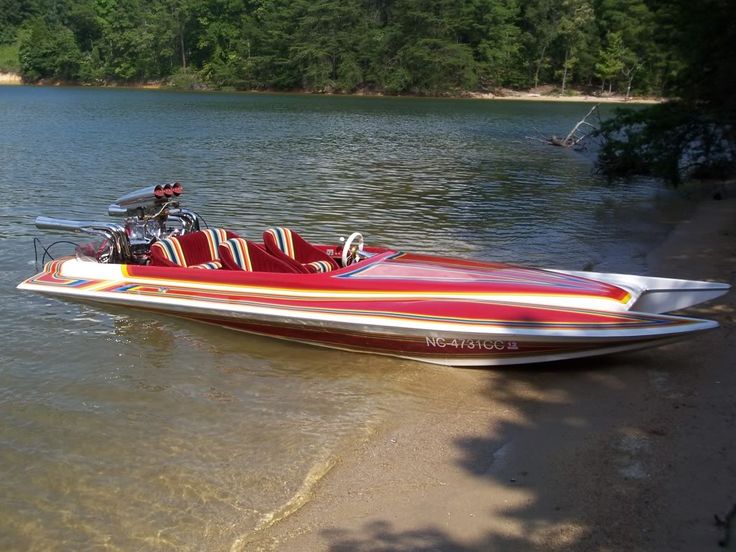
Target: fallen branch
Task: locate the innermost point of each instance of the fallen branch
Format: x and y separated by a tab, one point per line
579	132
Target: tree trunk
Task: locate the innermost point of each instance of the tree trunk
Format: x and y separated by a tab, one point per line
539	66
564	72
181	44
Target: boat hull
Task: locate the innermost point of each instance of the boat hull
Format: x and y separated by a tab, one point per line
441	328
446	349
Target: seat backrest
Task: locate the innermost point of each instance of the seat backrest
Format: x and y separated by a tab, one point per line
240	254
195	248
292	248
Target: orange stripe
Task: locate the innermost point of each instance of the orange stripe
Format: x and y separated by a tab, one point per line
179	252
289	242
245	253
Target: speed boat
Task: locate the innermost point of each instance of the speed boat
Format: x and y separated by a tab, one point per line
459	312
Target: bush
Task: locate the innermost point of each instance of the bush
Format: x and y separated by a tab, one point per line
48	52
186	79
673	141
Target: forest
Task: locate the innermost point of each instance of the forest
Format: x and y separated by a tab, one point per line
424	47
678	49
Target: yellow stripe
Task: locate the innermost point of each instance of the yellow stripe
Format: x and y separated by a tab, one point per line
245	254
349	294
289	242
182	260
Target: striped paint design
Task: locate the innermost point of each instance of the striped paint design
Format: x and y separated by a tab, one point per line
497	314
482	352
51	275
442	330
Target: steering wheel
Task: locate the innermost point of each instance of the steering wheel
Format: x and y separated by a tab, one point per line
352	249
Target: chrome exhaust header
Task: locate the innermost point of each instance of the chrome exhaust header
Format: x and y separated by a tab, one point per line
68	225
115	234
148	214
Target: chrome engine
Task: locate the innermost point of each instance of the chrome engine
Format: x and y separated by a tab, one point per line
148	214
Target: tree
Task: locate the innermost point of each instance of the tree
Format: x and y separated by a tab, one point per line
542	21
611	60
324	49
628	26
48	52
437	65
574	29
499	47
696	134
395	46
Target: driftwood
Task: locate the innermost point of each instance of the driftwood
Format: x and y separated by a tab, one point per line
579	132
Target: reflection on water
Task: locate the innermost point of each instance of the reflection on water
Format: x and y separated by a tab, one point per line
132	430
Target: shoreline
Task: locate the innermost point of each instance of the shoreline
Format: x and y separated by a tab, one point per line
9	78
508	95
594	454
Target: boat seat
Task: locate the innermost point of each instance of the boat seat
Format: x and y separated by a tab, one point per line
241	254
194	250
294	250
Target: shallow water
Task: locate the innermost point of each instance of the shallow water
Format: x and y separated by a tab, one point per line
136	431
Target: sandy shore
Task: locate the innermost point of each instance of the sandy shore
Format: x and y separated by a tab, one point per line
14	78
10	78
533	97
633	452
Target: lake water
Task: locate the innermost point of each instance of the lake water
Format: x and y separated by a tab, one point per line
130	431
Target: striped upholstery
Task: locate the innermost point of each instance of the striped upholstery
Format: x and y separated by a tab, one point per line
240	254
212	265
191	249
291	248
170	249
318	266
284	238
239	251
215	236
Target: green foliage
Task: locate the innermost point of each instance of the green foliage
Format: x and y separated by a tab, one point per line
438	65
671	140
499	49
695	136
9	62
392	46
48	52
186	79
612	60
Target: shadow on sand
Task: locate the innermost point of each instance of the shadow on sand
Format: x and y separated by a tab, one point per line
592	455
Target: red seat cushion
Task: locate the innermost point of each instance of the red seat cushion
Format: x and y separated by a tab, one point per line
291	248
195	248
240	254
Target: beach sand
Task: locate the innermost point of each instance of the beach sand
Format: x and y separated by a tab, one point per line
572	98
9	78
630	452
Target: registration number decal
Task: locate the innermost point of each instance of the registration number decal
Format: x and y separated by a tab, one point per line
470	344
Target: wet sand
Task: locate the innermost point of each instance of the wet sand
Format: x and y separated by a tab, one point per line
631	452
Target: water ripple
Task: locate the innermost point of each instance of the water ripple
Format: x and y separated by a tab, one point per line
129	430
